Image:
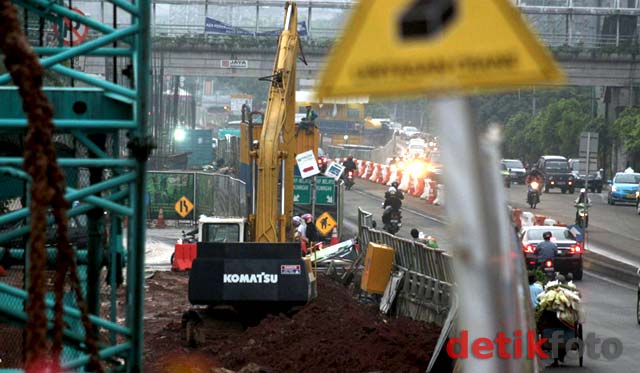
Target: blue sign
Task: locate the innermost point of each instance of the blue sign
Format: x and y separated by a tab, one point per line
213	26
217	27
576	230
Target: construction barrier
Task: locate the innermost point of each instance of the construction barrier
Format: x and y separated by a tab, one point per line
160	222
427	284
183	256
426	189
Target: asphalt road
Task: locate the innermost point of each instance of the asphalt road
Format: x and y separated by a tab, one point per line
614	230
416	213
610	313
609	305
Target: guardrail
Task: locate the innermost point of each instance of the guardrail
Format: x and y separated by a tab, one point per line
427	283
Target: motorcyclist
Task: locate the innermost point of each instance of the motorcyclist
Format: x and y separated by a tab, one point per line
398	192
583	197
533	175
393	198
546	249
583	201
349	164
391	202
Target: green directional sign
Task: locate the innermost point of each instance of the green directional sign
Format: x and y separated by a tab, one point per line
301	191
325	191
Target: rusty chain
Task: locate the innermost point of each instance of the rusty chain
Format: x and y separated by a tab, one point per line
47	189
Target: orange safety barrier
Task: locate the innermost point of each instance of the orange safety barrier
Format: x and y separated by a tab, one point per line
517	218
393	174
433	191
386	175
418	187
375	173
367	171
183	256
362	166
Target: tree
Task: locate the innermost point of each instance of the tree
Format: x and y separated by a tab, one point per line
516	145
554	130
627	130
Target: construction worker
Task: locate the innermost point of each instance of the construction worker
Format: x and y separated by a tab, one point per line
309	121
311	230
300	230
311	114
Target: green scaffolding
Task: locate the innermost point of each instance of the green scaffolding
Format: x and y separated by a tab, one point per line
101	124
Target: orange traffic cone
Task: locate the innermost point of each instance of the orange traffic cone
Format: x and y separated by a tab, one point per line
160	223
334	237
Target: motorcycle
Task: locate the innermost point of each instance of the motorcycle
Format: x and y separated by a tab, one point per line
188	237
533	196
582	215
348	180
549	269
392	220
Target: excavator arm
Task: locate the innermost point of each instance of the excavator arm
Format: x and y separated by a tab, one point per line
275	153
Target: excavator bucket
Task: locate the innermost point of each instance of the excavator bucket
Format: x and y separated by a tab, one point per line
245	274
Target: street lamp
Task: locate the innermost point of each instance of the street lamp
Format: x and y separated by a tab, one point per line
179	134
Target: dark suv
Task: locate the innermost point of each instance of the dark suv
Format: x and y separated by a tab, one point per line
557	173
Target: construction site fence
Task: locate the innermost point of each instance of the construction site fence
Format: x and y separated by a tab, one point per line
210	194
427	285
378	155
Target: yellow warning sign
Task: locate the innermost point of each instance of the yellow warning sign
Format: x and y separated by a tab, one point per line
413	47
183	206
325	223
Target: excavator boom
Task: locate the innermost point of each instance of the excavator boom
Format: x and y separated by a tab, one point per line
275	155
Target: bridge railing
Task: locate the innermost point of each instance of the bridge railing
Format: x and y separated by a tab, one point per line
427	284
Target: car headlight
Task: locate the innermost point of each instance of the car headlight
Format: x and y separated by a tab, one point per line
613	188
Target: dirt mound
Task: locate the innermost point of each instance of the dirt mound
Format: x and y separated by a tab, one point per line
334	333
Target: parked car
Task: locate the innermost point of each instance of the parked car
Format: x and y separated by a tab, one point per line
624	187
517	172
569	255
557	173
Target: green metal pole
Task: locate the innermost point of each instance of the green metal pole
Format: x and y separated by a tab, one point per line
95	227
141	149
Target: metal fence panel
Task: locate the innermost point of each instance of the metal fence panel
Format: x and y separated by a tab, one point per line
427	288
165	189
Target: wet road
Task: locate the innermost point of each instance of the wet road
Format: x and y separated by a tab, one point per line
612	229
609	306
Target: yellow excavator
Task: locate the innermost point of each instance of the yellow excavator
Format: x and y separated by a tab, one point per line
264	269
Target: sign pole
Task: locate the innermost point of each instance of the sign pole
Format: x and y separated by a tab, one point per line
586	180
313	197
488	267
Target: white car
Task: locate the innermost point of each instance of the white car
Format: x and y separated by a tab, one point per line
417	141
409	131
417	150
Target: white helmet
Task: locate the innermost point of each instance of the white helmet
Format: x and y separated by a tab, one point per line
583	190
392	190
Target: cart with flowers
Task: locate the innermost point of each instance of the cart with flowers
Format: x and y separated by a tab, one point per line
559	311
